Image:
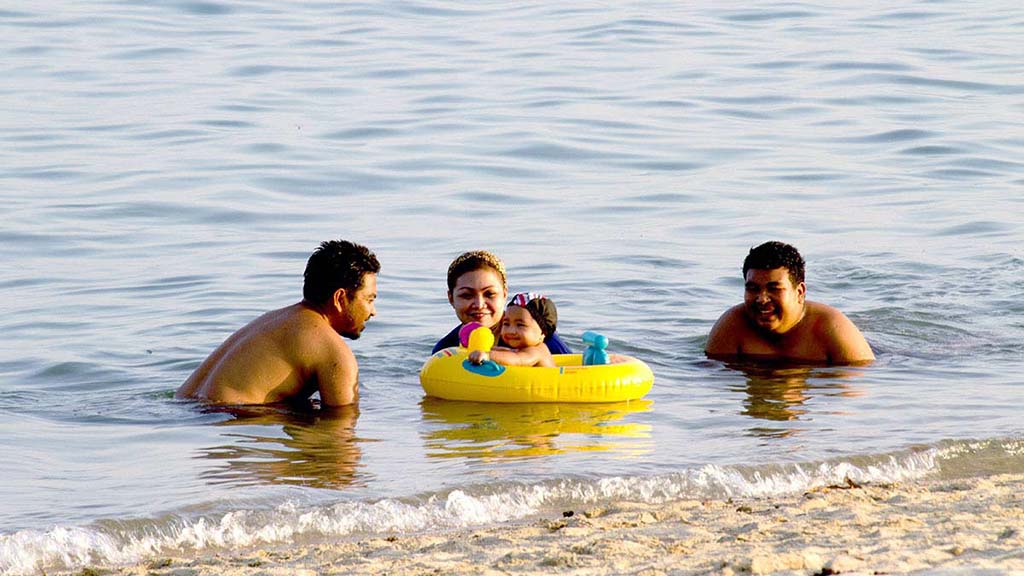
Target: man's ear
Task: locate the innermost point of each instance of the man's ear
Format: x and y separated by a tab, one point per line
801	292
451	299
340	299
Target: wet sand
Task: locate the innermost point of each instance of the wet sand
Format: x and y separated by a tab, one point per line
970	526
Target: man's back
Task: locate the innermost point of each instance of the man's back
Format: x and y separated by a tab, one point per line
282	355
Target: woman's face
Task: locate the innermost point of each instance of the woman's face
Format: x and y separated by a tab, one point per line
478	296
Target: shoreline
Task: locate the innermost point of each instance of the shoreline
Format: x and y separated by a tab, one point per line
973	525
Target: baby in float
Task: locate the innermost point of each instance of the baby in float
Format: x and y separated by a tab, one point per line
529	318
522	368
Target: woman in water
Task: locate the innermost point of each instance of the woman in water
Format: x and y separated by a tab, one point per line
477	289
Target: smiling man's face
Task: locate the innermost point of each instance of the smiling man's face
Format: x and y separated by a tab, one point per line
773	304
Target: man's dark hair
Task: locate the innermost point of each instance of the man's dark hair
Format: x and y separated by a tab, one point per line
336	264
771	255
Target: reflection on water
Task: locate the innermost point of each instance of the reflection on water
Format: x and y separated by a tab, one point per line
493	431
781	392
277	445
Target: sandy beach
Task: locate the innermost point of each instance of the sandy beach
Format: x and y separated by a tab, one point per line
970	526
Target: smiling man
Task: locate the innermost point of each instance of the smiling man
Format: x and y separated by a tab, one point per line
288	354
776	321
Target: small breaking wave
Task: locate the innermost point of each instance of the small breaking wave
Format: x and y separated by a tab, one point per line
129	541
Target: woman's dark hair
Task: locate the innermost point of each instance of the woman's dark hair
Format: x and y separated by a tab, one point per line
337	264
771	255
475	260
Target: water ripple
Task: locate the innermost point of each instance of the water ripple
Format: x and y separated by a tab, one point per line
885	66
767	16
899	18
933	150
556	152
929	82
981	229
902	135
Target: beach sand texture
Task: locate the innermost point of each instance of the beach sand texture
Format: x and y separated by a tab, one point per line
968	526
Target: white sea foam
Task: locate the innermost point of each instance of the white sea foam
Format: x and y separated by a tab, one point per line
28	551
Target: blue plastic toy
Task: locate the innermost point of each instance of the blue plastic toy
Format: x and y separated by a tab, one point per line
594	354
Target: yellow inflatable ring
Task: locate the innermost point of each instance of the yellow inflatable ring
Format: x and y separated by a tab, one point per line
447	375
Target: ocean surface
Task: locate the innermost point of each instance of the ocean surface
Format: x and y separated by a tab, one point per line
166	168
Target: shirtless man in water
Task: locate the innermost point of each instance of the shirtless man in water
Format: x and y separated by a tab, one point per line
775	320
290	353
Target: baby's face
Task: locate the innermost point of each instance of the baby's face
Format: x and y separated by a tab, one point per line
519	329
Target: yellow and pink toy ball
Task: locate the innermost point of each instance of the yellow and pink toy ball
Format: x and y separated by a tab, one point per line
481	339
466	330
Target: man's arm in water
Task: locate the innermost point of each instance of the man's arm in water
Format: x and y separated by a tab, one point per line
338	377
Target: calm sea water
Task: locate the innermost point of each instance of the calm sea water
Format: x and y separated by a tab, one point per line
168	166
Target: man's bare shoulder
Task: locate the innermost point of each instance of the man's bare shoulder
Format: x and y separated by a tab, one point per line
733	317
822	310
825	318
307	334
281	332
728	333
844	341
296	314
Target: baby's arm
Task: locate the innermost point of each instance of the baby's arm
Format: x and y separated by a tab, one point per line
538	355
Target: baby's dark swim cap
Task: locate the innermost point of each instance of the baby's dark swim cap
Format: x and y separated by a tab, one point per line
540	308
